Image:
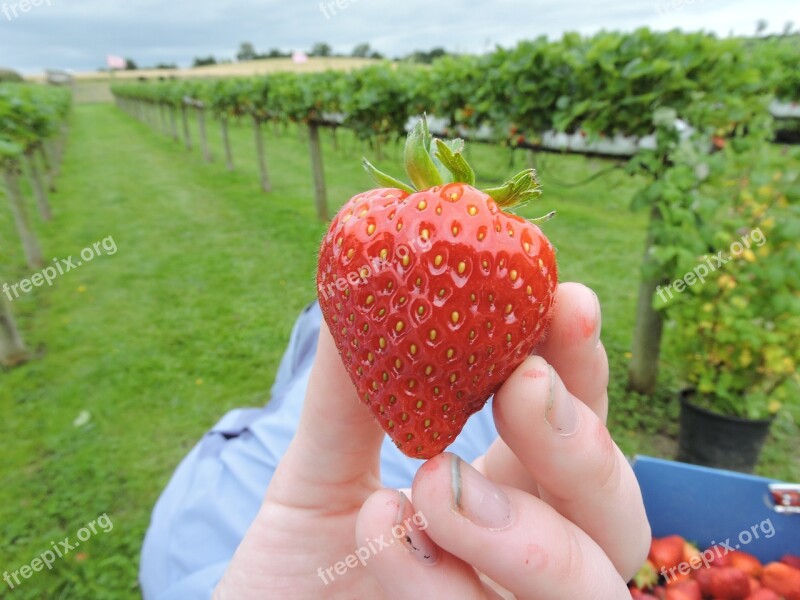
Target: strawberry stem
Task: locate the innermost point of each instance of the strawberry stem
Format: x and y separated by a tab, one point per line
518	190
419	165
384	180
430	163
449	154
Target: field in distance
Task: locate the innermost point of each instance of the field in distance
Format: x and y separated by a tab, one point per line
93	86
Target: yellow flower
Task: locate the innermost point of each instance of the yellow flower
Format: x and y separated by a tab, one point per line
628	355
774	406
198	381
749	256
745	358
81	289
739	302
765	191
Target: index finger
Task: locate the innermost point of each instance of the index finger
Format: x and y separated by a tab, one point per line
336	450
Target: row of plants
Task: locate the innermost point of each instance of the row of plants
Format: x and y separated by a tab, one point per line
32	132
634	84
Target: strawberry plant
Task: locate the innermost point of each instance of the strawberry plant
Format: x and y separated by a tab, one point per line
738	330
31	117
434	293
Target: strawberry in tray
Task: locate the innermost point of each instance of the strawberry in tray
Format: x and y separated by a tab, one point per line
435	293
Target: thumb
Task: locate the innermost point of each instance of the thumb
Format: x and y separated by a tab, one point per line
337	442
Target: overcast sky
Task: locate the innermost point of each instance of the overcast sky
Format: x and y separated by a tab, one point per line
78	34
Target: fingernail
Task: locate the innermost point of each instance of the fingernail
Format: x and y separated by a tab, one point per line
561	412
477	498
408	528
598	319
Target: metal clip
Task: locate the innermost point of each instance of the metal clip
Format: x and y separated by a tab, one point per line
786	497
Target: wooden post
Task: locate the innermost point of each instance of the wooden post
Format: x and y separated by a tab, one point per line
54	154
48	167
320	195
38	187
223	121
646	347
33	254
266	185
187	138
173	121
12	348
201	122
162	118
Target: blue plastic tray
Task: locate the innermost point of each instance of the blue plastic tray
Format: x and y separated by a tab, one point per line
709	506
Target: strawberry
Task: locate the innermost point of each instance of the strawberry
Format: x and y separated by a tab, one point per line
684	590
723	583
667	552
435	296
745	562
782	579
791	560
692	556
763	594
720	556
755	585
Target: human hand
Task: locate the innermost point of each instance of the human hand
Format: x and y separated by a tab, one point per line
552	510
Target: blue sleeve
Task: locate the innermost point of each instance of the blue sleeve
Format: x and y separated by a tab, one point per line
216	491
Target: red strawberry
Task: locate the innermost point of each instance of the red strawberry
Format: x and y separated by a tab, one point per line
782	579
667	552
791	560
434	297
755	585
684	590
723	583
690	552
720	556
763	594
745	562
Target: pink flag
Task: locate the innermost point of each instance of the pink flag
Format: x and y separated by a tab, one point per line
116	62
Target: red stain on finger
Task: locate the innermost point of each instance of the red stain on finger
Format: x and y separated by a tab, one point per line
582	328
535	373
536	557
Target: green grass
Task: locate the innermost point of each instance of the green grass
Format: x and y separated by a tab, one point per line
189	319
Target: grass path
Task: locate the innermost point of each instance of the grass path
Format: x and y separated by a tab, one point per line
185	320
190	316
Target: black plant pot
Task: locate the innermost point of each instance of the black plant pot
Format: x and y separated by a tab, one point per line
720	441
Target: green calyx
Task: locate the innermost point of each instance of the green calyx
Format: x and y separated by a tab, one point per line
433	162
